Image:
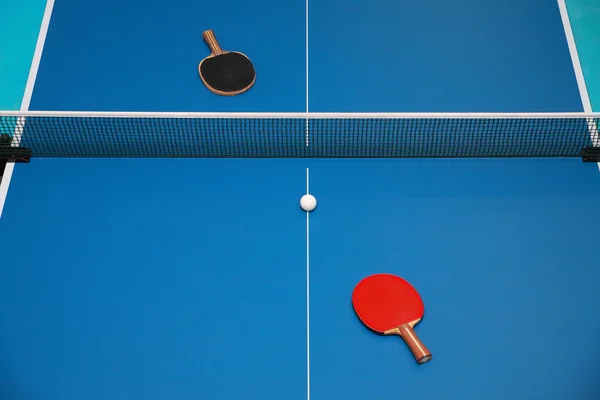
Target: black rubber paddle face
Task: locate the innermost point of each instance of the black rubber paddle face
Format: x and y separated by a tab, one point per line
228	73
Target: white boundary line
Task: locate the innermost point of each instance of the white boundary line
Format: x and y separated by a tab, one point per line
583	92
33	70
298	115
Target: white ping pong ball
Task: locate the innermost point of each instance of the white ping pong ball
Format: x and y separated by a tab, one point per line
308	202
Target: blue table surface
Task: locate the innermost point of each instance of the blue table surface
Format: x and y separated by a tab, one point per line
189	279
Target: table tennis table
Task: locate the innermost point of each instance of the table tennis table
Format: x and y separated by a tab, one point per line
201	278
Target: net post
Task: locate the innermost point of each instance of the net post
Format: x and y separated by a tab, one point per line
590	154
10	153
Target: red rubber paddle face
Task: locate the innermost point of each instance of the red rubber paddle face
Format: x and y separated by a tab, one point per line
389	305
384	302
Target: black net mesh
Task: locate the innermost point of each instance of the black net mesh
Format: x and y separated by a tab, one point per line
301	135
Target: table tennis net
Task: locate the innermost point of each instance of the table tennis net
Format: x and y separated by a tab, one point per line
280	135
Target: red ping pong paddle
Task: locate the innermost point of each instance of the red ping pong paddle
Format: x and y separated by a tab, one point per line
226	73
389	305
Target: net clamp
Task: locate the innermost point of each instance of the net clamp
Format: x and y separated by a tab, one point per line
11	153
590	154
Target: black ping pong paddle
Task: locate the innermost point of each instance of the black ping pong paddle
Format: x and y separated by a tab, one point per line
226	73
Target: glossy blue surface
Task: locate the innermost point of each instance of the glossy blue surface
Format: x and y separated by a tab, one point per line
186	279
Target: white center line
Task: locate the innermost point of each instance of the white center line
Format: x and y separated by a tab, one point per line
307	294
306	68
307	142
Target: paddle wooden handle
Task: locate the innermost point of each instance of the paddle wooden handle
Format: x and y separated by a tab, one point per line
211	40
422	355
